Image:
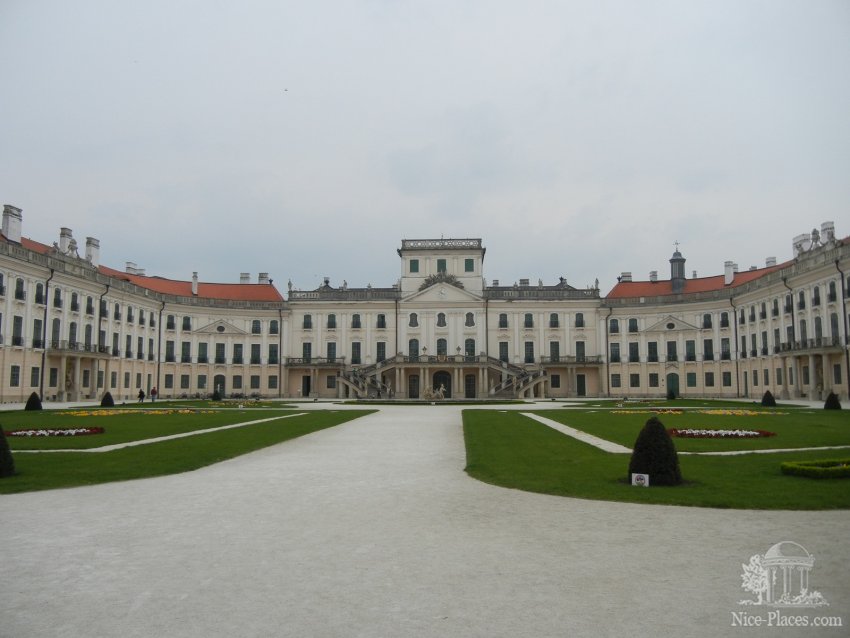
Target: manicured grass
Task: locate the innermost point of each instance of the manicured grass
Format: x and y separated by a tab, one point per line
507	449
60	469
794	428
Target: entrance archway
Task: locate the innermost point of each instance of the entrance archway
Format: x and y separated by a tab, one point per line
443	378
218	384
673	383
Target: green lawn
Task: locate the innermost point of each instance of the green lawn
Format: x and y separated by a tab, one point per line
40	471
507	449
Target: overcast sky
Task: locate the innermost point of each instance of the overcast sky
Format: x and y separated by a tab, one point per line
306	139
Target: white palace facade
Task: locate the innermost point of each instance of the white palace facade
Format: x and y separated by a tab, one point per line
72	329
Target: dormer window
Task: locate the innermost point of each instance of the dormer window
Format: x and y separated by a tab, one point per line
441	265
468	265
414	265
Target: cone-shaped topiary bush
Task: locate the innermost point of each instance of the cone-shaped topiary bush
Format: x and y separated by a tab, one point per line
7	463
107	401
832	402
655	454
767	400
33	403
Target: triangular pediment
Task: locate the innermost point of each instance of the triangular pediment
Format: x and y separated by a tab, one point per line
442	293
221	328
669	323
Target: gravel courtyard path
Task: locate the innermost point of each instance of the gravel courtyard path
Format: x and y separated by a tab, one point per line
372	529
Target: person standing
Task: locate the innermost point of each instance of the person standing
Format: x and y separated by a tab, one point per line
153	395
141	396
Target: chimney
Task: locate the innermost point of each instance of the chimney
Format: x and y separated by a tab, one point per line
694	275
244	278
93	251
65	237
734	268
728	272
770	262
194	283
653	276
626	276
12	223
263	278
801	244
131	269
523	282
495	282
827	232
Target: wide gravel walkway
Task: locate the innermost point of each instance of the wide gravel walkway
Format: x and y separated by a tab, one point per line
372	529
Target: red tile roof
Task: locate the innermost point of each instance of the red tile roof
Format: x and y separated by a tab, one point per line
628	289
235	292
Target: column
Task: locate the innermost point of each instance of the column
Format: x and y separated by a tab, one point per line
813	393
826	376
783	362
62	389
77	382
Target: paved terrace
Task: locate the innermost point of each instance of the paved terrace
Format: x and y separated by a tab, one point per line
373	529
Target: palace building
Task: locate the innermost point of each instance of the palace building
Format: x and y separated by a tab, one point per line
73	329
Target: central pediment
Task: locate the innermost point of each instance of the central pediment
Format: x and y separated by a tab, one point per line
442	293
221	328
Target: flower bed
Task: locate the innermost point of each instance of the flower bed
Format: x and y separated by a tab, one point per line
827	468
165	411
51	432
693	433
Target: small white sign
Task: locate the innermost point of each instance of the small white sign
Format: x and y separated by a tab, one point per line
641	480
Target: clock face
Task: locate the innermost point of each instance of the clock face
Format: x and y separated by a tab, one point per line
442	293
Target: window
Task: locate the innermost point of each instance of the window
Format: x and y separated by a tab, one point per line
555	380
20	295
652	351
203	357
816	296
614	350
331	382
53	377
307	323
274	327
331	322
255	381
442	347
126	380
554	351
113	380
169	351
529	352
187	323
237	353
381	351
653	379
220	356
553	320
413	348
724	319
355	321
831	295
836	373
39	293
202	382
307	351
273	354
355	352
89	306
469	347
15	376
727	379
801	300
255	354
130	314
614	326
382	322
615	380
237	382
529	320
706	321
766	376
709	379
441	320
634	380
690	350
503	320
579	320
634	352
725	349
139	348
580	351
37	333
185	352
169	322
413	321
128	346
141	317
468	265
633	326
691	379
255	327
671	351
57	298
414	265
441	265
755	378
707	350
35	376
169	381
470	320
503	351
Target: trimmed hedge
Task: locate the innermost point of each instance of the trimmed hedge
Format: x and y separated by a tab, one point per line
7	463
768	401
818	469
832	402
655	454
107	401
34	402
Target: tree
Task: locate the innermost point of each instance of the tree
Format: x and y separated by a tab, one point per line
107	401
7	463
754	577
34	402
655	454
767	400
832	402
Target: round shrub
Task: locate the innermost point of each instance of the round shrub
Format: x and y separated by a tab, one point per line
7	463
107	401
33	403
832	402
655	454
767	400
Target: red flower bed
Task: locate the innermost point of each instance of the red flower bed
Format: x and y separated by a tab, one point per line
56	432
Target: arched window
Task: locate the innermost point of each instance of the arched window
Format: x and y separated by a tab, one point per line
833	327
724	319
529	320
75	302
187	323
413	348
802	300
614	326
141	317
414	320
816	296
273	327
470	319
633	327
830	295
307	323
706	321
469	347
441	320
442	347
57	298
332	322
503	320
818	328
553	320
88	335
579	320
117	311
255	327
804	335
55	334
355	321
20	295
170	322
39	293
72	334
